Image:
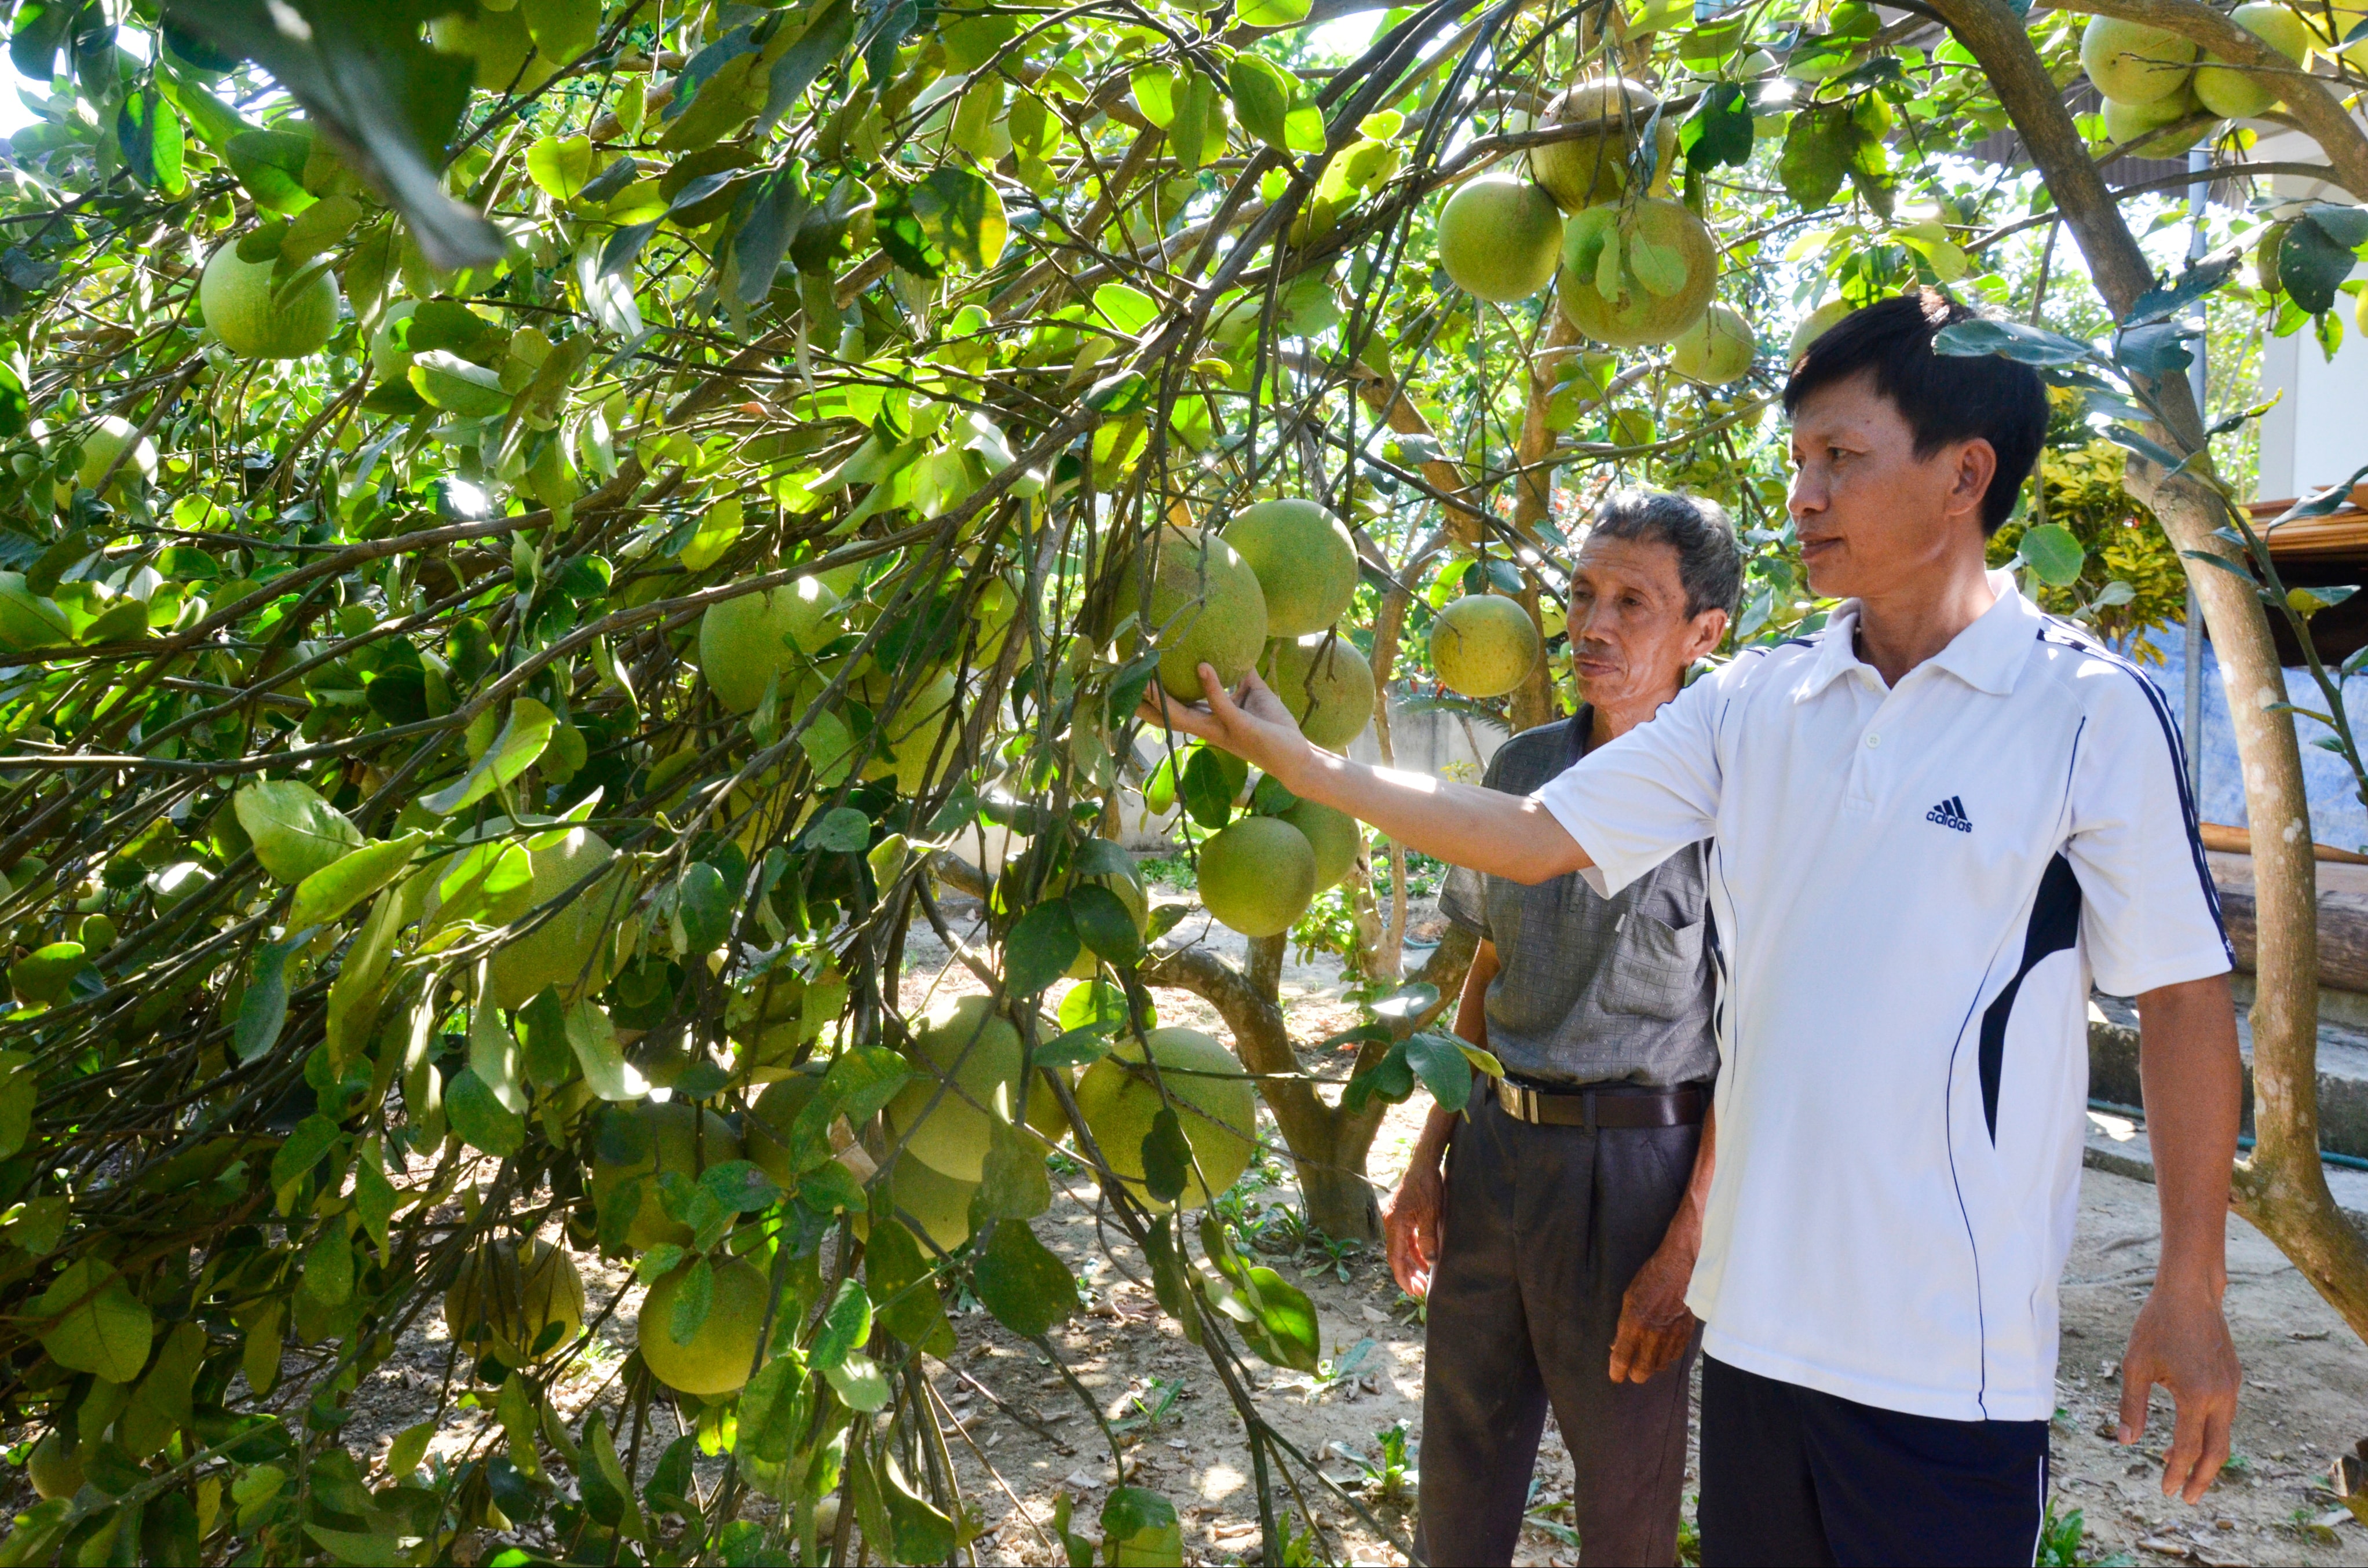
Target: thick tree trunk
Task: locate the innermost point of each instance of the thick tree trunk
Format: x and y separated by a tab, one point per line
2282	1189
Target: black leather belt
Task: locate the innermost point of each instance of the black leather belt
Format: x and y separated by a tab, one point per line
1602	1107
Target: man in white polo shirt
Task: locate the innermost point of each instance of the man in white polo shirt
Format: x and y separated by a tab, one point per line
1932	825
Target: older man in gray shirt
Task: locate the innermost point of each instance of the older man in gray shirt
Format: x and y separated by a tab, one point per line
1555	1249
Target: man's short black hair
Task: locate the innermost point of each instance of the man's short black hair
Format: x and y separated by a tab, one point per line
1943	397
1710	563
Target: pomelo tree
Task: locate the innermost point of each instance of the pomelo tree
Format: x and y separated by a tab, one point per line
536	538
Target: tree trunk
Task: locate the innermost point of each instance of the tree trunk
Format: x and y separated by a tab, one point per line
2282	1189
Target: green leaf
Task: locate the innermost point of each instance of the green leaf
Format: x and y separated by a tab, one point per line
1017	1278
1040	950
1212	781
314	1137
1262	93
845	1329
842	830
1816	155
903	1291
560	165
2314	256
2054	553
479	1117
1719	130
19	1093
523	736
740	1187
346	881
102	1328
1273	13
149	132
409	1446
1440	1061
1139	1526
704	900
822	42
1012	1184
961	216
718	526
693	1300
1167	1156
1104	923
264	1009
270	163
294	831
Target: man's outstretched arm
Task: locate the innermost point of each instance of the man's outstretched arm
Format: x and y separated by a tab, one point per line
2192	1078
1463	825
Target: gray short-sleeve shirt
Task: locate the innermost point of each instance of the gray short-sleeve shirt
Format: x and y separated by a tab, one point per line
1588	989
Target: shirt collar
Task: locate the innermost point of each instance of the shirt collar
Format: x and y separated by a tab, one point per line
1986	656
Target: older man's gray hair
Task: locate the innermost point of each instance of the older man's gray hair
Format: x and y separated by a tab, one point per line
1710	561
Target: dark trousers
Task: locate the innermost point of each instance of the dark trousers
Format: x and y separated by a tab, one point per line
1545	1227
1793	1475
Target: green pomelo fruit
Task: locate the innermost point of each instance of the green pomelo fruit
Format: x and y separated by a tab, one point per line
1334	836
562	29
2133	63
914	733
498	43
974	1054
28	620
1305	561
1499	237
1819	322
766	1129
53	1469
2132	125
673	1146
745	642
1592	166
257	321
1325	683
2235	95
1258	875
567	950
500	1304
1484	644
108	441
1205	607
1636	275
721	1354
933	1203
1215	1104
1717	349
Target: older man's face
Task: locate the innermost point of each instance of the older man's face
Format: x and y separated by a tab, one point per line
1630	637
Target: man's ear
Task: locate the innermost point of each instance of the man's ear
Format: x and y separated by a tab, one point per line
1707	632
1976	467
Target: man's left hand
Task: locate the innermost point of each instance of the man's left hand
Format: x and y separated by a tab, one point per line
1655	1325
2182	1341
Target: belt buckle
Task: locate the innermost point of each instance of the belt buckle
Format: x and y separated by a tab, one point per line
1518	1099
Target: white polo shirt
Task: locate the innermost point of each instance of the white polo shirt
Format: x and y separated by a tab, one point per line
1911	889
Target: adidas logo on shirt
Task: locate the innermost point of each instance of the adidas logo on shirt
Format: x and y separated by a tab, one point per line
1951	812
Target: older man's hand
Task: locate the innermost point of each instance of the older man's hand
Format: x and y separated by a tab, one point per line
1249	721
1654	1322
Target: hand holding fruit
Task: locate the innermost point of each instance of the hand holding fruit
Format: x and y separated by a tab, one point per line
1249	721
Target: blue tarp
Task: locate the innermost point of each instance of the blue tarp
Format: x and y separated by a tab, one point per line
2337	818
